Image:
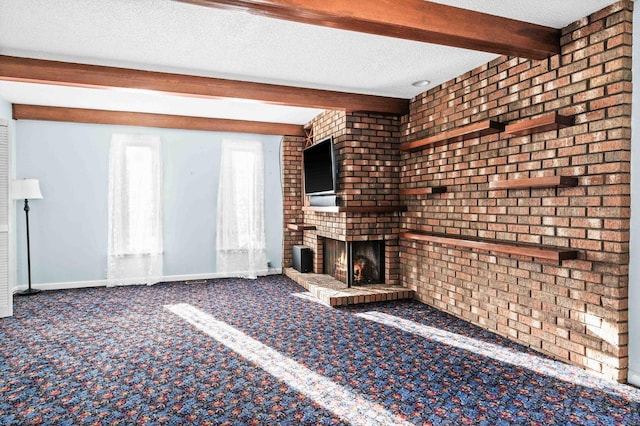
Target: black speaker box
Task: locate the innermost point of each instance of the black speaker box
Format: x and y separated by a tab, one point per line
302	259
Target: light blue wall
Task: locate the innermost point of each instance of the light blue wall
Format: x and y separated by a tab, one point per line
5	109
190	204
69	226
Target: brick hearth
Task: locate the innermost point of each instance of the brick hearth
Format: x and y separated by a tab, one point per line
332	292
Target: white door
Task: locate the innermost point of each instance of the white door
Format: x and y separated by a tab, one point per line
6	297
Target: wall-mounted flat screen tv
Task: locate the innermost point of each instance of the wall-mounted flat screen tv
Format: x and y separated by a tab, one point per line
320	171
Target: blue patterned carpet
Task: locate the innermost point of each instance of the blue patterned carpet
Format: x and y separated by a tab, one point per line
260	352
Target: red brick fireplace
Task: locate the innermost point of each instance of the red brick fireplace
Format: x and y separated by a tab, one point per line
367	151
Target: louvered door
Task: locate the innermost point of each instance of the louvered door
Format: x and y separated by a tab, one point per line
6	299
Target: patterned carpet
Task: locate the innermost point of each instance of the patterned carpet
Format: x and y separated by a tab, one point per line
235	351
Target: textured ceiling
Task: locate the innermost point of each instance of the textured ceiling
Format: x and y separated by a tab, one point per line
164	35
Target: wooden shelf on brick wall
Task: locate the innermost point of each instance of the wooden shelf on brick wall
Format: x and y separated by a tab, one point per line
294	227
374	209
321	209
474	130
424	191
554	254
544	123
358	209
536	182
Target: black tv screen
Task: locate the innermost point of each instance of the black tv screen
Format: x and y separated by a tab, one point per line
319	165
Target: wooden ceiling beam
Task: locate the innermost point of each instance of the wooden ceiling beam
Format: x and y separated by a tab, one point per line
102	77
94	116
412	20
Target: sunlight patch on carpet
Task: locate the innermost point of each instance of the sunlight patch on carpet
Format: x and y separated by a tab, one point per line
308	296
342	402
503	354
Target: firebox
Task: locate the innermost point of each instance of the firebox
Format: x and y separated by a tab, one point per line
354	262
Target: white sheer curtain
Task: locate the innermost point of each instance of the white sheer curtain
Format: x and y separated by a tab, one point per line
135	210
241	246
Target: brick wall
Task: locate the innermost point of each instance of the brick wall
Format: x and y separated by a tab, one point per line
576	311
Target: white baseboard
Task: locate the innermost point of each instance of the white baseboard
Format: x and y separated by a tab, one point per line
633	378
63	285
6	311
166	278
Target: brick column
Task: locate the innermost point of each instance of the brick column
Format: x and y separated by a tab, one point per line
291	195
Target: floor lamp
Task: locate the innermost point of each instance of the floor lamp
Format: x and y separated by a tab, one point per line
27	189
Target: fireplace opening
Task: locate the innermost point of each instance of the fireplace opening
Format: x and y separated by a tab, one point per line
354	263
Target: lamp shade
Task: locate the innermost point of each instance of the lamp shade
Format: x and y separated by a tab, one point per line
23	189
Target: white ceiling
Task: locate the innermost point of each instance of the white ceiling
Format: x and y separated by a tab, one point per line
164	35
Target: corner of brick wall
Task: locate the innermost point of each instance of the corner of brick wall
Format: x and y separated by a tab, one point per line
291	195
577	311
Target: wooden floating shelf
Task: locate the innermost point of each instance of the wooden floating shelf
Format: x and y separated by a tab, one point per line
294	227
321	209
475	130
424	191
358	209
540	252
544	123
376	209
537	182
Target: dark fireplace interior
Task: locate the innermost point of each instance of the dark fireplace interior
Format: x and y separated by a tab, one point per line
364	259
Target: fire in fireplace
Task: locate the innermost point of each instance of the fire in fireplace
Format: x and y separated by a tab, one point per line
354	263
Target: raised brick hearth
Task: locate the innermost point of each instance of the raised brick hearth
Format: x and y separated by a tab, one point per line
574	309
332	292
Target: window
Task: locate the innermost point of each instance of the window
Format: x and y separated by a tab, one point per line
241	241
135	220
140	238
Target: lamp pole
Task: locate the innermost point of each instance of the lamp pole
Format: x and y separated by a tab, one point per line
29	290
27	189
